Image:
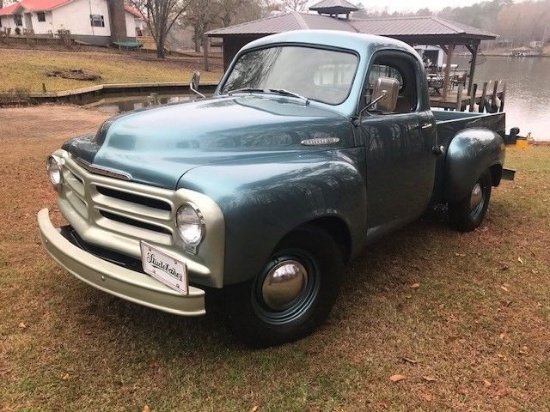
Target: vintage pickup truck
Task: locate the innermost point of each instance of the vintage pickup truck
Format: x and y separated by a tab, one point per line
315	144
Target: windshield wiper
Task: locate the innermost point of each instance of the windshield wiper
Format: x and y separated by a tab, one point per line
246	90
285	92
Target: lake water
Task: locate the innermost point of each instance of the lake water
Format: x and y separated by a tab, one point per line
527	104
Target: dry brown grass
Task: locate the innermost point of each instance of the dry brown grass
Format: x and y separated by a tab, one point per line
26	70
464	317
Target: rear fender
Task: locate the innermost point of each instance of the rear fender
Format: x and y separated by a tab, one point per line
471	152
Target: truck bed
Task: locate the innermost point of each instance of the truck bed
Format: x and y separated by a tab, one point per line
449	123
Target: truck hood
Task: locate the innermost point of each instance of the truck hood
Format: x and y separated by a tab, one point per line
158	146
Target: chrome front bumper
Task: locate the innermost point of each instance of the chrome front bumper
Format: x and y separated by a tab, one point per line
121	282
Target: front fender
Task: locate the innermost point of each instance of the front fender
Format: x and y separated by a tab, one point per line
264	201
471	152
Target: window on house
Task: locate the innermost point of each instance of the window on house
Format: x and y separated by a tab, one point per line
97	20
18	19
41	16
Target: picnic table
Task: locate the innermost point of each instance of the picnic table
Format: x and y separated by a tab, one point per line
435	83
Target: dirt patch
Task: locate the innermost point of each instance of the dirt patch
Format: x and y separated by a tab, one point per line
76	74
48	121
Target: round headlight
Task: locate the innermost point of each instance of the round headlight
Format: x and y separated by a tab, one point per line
54	165
190	224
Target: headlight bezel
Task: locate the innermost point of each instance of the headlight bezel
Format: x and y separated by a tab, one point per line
191	243
54	169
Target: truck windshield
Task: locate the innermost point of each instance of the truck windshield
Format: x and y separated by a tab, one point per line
316	74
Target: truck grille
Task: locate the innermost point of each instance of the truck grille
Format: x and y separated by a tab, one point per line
117	206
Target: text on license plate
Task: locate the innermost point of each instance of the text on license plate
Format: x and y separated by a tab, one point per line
166	269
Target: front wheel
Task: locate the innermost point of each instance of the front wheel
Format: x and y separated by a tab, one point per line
294	292
467	214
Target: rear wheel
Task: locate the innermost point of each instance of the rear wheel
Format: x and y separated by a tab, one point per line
294	292
468	213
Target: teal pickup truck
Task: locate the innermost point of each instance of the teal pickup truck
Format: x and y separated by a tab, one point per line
315	144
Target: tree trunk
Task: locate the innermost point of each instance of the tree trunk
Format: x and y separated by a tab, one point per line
160	40
117	20
197	39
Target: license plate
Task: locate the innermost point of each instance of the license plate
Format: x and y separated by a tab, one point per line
163	267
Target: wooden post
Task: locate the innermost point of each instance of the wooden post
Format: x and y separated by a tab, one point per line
502	98
483	97
494	97
459	98
473	49
206	48
449	50
473	97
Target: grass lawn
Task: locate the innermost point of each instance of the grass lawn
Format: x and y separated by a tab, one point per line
464	318
26	70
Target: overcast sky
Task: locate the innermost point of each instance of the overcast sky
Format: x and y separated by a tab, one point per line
413	5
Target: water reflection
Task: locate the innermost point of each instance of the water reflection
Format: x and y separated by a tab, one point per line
119	104
528	90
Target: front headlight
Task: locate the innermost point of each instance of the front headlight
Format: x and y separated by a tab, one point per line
190	223
54	166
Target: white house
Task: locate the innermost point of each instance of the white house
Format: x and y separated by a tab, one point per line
87	20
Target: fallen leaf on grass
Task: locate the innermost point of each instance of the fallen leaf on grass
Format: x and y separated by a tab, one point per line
66	377
502	392
415	285
460	254
254	409
524	350
146	409
429	378
397	378
520	260
22	326
504	288
427	396
486	383
409	360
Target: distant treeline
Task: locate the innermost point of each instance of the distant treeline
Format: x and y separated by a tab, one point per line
517	23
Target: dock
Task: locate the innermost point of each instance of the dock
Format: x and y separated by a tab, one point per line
490	98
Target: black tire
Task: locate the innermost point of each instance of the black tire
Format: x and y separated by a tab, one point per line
259	324
467	214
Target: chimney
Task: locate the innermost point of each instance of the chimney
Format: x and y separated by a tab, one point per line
117	20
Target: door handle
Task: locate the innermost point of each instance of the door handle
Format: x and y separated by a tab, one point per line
426	126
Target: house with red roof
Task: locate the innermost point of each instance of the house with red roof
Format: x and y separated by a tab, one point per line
97	22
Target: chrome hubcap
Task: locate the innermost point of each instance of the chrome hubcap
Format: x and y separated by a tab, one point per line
476	197
283	284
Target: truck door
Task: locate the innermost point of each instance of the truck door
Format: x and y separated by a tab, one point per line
398	143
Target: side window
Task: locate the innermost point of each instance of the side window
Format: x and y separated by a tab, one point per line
400	68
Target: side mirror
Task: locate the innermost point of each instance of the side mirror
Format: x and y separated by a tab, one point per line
194	84
386	91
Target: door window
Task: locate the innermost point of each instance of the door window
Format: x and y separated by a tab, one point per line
398	67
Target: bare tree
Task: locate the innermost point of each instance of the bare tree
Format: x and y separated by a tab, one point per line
295	5
160	16
203	15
